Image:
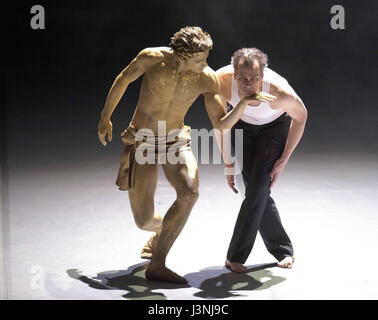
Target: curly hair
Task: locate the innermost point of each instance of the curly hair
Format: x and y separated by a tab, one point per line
248	55
190	40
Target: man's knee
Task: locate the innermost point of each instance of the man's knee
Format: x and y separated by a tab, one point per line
258	183
144	224
143	218
188	194
140	224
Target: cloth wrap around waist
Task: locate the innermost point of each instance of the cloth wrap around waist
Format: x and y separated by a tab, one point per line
156	144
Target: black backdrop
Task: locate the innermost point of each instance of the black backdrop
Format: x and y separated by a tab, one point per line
56	80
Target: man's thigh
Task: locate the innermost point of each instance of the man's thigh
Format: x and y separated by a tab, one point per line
268	150
142	194
183	175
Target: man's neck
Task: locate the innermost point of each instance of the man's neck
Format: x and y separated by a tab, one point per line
179	64
175	62
181	68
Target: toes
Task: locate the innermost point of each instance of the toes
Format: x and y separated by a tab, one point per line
286	263
241	269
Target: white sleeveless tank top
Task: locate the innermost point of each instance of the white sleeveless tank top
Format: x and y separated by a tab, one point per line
262	113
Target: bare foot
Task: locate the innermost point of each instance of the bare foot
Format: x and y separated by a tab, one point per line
287	262
164	274
149	247
235	267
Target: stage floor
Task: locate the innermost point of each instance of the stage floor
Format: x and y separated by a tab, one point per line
73	235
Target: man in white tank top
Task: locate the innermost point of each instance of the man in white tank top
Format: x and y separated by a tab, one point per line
271	131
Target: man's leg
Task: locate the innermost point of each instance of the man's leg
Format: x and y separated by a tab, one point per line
274	235
142	204
267	151
184	178
245	160
272	232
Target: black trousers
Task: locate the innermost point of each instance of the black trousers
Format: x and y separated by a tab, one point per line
262	146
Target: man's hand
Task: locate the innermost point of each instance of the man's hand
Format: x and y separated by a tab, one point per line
105	127
229	169
259	96
278	167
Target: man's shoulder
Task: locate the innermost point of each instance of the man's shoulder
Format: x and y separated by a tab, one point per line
279	86
208	73
273	77
153	54
210	79
225	72
225	75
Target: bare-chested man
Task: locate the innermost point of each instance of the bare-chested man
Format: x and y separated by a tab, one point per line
271	131
173	78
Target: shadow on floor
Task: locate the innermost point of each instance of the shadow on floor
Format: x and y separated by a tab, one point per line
213	282
132	280
218	282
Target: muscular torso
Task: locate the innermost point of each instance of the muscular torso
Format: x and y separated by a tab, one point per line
166	95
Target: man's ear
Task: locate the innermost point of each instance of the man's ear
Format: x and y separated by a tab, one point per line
262	72
234	73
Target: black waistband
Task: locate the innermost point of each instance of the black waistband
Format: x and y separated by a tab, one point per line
284	116
282	119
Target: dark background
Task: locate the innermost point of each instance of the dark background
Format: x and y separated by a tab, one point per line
55	81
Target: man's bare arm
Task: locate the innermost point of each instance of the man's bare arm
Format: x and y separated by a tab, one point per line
295	108
216	107
220	134
213	103
223	138
133	71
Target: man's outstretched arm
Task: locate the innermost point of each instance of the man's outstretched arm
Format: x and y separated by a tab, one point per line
213	103
133	71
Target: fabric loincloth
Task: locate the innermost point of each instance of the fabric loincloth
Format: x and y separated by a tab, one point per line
157	144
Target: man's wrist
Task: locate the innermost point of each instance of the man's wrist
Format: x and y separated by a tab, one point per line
243	101
286	155
105	117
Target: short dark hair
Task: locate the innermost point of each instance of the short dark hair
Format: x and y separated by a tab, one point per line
248	55
190	40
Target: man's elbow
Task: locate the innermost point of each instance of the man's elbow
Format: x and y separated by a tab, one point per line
121	80
301	115
221	124
122	76
304	113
